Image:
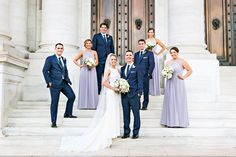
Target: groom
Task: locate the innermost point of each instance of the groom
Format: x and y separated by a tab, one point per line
130	100
103	44
56	76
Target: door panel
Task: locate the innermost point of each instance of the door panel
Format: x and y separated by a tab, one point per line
124	15
220	17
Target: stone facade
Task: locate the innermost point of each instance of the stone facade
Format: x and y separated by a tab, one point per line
29	30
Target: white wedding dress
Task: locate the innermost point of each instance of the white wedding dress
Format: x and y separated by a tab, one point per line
105	124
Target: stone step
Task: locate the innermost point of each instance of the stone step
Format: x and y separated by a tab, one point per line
144	132
144	114
221	100
219	142
151	104
30	146
145	123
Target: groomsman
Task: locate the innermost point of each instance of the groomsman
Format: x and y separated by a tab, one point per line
130	100
56	76
103	44
144	60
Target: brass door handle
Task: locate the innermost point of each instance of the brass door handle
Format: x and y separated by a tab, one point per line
138	23
215	24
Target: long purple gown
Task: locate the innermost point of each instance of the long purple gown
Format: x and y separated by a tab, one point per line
175	110
154	83
88	90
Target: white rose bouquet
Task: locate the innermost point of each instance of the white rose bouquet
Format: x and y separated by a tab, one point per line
150	45
90	63
167	72
121	86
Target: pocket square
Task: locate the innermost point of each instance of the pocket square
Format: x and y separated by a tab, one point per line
145	57
133	72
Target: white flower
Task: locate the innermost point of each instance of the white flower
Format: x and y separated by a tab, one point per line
150	45
121	86
167	72
89	62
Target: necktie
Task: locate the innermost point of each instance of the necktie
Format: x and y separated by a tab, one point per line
60	62
141	54
127	71
104	37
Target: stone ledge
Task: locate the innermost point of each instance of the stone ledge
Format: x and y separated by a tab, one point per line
6	57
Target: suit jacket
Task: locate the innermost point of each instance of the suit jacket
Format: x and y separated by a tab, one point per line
146	63
103	48
53	72
134	78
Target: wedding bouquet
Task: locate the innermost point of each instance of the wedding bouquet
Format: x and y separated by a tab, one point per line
121	86
167	72
150	45
89	62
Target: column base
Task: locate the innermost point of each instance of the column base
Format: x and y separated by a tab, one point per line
11	77
49	48
1	134
4	40
203	85
34	87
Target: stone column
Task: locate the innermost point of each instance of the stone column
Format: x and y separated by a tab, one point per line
84	24
18	24
186	25
161	30
4	23
186	31
59	24
4	37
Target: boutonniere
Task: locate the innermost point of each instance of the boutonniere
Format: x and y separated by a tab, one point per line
107	35
144	52
64	59
133	66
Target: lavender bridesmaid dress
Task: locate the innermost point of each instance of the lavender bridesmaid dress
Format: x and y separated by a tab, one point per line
175	111
154	83
88	90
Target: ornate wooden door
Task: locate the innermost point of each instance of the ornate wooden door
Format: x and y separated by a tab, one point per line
221	29
128	20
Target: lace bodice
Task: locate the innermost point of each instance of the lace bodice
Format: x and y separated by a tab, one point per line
114	75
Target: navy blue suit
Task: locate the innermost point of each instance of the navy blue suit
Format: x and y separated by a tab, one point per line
130	100
57	75
145	63
103	48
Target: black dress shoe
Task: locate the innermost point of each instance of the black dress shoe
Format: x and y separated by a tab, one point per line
143	108
54	125
135	136
125	136
69	116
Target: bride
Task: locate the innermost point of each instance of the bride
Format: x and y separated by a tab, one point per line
105	124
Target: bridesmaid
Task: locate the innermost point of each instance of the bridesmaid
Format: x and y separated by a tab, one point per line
175	111
88	90
154	83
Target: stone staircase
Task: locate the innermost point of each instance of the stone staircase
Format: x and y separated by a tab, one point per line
212	130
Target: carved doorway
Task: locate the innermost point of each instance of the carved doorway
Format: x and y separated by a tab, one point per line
221	29
128	20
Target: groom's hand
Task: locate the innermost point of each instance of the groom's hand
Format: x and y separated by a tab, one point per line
49	85
150	76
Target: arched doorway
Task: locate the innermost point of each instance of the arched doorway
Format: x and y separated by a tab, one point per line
128	19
